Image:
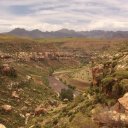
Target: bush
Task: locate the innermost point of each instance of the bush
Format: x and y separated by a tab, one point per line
66	94
114	64
111	102
51	71
13	72
108	83
116	90
107	80
121	74
72	87
100	98
81	121
124	85
45	80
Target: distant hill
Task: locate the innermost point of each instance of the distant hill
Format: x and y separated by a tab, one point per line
68	33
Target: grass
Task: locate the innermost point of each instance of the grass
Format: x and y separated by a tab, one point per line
78	77
37	91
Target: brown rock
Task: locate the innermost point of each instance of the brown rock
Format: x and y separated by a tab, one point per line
15	95
124	101
40	110
2	126
6	108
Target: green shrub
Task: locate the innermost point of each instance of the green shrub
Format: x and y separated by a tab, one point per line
121	74
71	117
71	87
13	72
114	64
100	98
124	85
46	81
107	80
66	94
80	121
51	70
108	83
111	102
116	90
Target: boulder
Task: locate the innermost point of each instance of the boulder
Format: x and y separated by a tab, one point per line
15	95
6	108
5	69
112	118
124	102
2	126
28	77
53	103
40	110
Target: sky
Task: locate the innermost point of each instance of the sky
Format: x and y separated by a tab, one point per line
52	15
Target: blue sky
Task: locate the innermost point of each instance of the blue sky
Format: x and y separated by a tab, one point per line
52	15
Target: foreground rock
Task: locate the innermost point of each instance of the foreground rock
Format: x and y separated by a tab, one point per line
112	118
116	116
15	95
2	126
6	108
40	110
123	102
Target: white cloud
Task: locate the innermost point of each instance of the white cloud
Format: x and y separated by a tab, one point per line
51	15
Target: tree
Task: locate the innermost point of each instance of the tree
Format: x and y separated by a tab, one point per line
71	87
66	94
107	83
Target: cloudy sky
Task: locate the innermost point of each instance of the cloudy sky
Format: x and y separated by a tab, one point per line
52	15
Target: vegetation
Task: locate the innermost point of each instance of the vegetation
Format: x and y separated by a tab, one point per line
66	94
121	74
24	85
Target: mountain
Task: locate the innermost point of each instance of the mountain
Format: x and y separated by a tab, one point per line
68	33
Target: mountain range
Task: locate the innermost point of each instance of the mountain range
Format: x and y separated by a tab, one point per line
68	33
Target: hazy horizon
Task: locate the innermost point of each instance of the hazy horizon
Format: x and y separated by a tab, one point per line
53	15
65	29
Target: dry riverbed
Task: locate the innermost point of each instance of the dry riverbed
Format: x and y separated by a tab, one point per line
80	78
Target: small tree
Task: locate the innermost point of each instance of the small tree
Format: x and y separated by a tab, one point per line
71	87
107	83
66	94
12	72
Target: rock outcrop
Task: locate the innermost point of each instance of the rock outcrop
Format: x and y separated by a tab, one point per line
2	126
40	110
116	116
6	108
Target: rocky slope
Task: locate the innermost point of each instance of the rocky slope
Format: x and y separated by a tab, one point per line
24	85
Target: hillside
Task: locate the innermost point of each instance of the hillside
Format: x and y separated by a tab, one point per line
91	73
104	103
24	70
